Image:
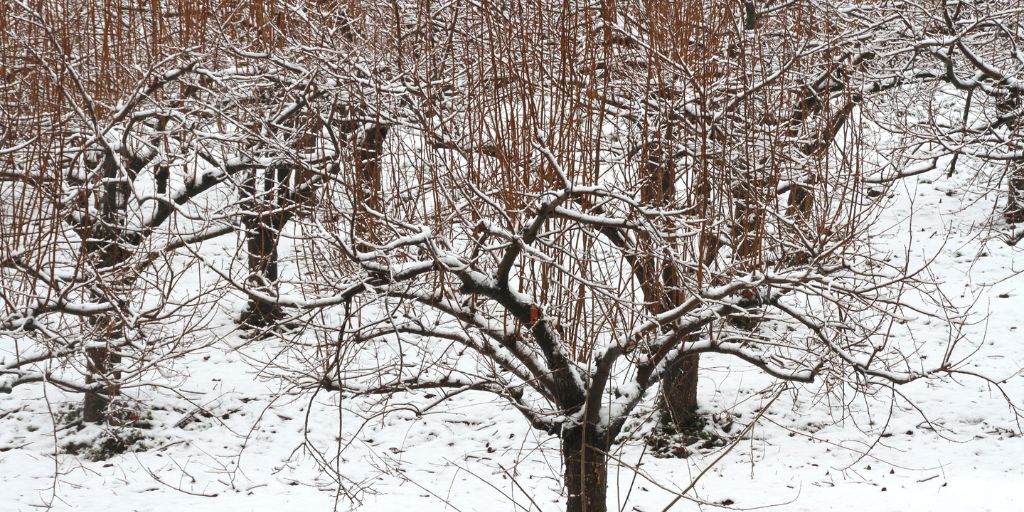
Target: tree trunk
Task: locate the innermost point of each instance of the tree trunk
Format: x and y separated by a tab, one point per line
679	391
586	470
368	180
94	408
267	205
105	244
1014	211
679	386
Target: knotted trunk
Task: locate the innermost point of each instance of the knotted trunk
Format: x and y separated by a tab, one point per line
586	470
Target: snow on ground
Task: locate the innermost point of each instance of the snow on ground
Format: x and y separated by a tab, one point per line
220	444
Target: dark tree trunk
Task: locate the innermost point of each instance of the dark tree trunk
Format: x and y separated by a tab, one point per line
662	284
95	405
1014	211
101	362
368	182
749	15
586	470
679	391
267	203
105	246
94	409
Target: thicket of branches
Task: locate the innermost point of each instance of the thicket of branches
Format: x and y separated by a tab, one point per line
563	204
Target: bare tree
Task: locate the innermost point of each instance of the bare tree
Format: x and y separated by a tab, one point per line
769	120
117	125
952	72
577	202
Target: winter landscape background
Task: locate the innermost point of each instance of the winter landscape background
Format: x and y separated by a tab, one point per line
583	256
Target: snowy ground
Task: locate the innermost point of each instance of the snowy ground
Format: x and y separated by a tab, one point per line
960	449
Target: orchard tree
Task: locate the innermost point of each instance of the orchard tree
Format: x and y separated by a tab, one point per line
952	72
92	170
128	136
576	201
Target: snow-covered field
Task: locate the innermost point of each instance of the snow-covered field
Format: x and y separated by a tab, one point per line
219	442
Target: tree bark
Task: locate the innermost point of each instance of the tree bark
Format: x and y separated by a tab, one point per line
104	242
586	469
1014	211
94	407
679	391
267	212
663	286
368	180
